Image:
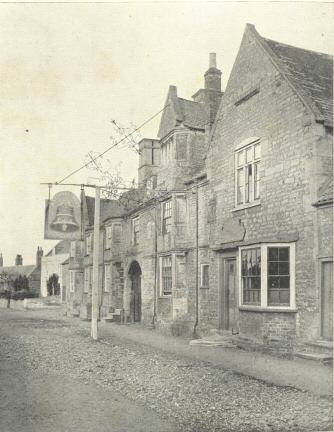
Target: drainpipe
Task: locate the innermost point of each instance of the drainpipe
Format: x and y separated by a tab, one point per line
155	268
195	335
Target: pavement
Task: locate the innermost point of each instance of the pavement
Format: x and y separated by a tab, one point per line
305	375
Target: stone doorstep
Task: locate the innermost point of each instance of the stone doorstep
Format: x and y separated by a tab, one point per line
205	342
320	345
321	357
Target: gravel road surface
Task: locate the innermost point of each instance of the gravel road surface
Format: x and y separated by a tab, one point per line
55	378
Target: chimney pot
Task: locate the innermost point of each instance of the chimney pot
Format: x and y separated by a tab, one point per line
212	60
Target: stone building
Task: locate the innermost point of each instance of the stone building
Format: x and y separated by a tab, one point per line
51	263
32	272
273	142
230	226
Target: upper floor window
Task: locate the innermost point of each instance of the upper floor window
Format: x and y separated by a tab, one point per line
73	249
108	236
247	173
116	232
89	243
166	216
113	234
268	276
135	230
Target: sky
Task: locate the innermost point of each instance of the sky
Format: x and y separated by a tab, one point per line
68	69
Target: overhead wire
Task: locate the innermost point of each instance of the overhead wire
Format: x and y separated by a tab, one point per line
112	146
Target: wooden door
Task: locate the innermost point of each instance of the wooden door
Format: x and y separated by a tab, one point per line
136	298
327	300
230	303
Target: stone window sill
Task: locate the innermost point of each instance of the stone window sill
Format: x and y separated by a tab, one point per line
204	287
246	206
267	309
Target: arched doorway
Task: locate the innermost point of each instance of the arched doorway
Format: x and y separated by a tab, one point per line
135	301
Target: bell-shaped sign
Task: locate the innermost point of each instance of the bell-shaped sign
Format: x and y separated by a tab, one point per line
63	217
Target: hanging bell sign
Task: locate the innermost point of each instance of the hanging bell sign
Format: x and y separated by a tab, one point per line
63	217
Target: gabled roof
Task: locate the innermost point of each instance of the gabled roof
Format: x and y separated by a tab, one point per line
22	270
193	113
61	247
108	208
310	73
181	112
326	192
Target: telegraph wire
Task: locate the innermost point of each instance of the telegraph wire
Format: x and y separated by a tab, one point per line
112	146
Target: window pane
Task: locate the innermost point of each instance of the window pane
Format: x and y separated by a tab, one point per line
273	282
273	268
249	154
257	180
284	281
251	272
284	254
248	183
244	263
283	268
285	297
240	186
256	283
241	158
278	286
257	151
273	254
273	297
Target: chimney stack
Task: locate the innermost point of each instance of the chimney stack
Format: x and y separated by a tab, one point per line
1	260
39	255
212	60
18	260
213	75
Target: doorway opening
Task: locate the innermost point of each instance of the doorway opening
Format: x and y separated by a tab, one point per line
135	301
229	303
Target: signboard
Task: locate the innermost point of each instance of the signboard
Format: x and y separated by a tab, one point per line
63	217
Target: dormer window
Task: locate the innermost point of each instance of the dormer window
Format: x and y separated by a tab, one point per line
167	150
181	146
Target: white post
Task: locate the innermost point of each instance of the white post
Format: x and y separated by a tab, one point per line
96	246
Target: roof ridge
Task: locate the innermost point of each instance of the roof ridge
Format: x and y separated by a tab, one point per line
305	99
295	47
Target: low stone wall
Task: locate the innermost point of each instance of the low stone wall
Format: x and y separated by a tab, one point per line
32	303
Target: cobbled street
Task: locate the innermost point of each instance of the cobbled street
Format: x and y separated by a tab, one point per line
55	378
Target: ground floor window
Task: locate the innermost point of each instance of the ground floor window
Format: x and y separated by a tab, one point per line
72	281
107	277
267	275
166	281
204	275
87	279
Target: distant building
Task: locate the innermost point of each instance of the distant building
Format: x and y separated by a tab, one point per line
51	264
32	272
